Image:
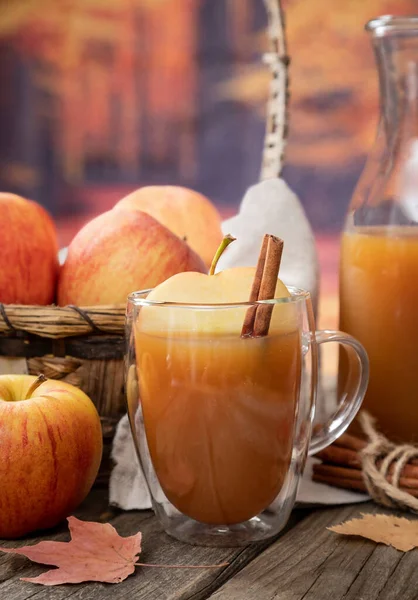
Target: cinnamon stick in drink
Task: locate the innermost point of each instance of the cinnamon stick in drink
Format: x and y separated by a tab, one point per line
257	318
249	320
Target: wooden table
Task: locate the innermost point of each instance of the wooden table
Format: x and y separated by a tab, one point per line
306	562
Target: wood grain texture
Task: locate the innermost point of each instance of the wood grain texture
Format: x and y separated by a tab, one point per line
146	583
312	563
307	562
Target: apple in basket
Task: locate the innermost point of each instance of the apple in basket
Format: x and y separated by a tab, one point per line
119	252
28	257
186	213
50	448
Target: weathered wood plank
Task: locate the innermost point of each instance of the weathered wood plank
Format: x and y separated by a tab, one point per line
312	563
402	582
147	583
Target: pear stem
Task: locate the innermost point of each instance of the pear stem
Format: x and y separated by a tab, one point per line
40	379
228	239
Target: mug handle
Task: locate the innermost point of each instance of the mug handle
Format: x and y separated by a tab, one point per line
353	394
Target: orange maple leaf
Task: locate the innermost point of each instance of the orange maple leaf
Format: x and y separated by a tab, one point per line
96	552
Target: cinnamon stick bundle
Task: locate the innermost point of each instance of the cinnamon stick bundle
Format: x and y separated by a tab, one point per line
257	318
341	467
330	473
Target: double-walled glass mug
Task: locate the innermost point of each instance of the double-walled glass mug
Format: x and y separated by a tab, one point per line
222	424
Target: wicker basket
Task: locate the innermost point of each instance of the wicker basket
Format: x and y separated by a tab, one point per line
85	346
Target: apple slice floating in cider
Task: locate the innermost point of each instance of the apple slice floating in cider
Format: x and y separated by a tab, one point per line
227	287
232	286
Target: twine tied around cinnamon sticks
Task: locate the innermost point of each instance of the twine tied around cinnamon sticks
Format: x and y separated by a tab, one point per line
388	472
379	459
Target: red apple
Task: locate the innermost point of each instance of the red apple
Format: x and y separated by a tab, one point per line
119	252
185	212
29	252
50	448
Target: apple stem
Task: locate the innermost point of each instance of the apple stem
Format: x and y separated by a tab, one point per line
228	239
40	379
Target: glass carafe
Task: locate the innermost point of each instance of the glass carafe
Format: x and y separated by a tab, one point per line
379	253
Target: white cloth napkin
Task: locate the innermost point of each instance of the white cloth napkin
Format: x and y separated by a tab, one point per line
267	207
272	207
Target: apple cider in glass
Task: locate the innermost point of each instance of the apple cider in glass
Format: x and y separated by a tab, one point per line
219	413
218	408
221	393
379	306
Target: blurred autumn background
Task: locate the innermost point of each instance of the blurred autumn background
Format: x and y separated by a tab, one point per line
98	97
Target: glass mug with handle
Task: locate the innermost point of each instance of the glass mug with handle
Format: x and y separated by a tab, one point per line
221	423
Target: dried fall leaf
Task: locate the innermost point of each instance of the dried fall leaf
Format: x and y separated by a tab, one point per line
398	532
96	552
